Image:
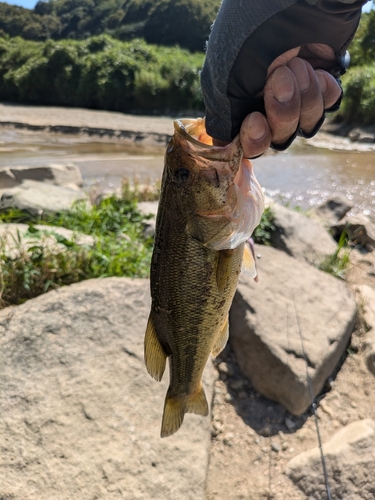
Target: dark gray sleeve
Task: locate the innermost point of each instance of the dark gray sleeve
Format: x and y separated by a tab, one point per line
248	35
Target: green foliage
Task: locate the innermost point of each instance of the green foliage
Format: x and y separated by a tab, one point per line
101	73
120	249
182	22
359	102
337	263
263	232
362	48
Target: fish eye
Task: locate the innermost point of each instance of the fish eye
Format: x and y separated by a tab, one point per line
182	175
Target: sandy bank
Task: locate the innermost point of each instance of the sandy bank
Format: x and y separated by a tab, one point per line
148	130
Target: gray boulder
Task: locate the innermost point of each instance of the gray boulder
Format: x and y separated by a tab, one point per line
366	302
38	197
149	208
67	175
332	210
266	318
360	229
80	414
16	238
350	461
300	236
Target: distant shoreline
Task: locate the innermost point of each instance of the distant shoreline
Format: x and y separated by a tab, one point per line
148	130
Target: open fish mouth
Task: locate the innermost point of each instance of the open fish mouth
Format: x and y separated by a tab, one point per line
244	215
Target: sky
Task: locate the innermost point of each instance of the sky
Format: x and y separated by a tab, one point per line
30	4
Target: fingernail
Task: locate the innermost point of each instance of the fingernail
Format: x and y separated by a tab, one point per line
322	81
282	85
256	127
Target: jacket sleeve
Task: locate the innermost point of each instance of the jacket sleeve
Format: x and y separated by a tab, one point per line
248	35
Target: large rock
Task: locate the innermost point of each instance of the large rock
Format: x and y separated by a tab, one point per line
267	318
16	238
38	197
67	175
360	229
366	302
332	210
350	461
80	416
299	236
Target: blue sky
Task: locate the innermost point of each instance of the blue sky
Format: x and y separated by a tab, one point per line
30	4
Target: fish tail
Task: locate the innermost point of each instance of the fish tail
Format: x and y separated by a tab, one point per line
175	408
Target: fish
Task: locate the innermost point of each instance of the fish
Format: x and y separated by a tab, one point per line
209	205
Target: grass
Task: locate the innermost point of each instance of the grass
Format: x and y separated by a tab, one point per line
120	248
337	263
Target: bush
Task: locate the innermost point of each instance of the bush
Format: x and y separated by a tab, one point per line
101	73
358	106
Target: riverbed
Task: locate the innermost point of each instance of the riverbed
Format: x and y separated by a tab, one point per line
304	176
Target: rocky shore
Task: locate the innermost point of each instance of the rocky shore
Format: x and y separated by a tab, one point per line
81	416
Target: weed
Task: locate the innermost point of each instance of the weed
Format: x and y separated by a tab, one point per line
263	232
337	263
119	249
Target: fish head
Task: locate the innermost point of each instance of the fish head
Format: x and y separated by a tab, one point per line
218	196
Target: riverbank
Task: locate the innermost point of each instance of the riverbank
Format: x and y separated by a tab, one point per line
148	130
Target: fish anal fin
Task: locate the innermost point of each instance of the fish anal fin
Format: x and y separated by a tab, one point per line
175	408
224	269
248	262
155	357
221	338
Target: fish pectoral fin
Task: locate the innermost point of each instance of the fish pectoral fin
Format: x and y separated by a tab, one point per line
221	338
224	269
155	357
248	262
175	408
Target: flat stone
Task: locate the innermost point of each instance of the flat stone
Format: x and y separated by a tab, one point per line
38	197
80	414
350	462
16	238
300	236
268	319
64	175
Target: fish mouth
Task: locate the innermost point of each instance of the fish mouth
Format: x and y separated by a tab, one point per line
199	143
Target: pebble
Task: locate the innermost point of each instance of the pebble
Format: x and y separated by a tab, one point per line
225	368
289	424
275	447
236	384
228	398
266	431
353	404
284	446
265	449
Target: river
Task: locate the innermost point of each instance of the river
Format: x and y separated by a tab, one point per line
304	175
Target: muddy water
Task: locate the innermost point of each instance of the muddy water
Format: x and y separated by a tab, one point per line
304	175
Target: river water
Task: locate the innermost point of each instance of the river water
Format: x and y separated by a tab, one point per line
304	175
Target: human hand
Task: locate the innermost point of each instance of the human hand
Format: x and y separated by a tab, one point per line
260	61
295	97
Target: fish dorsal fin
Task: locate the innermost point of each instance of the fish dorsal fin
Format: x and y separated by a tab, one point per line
248	262
221	338
224	269
155	357
176	407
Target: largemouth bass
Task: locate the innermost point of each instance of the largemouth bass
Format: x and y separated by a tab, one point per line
210	204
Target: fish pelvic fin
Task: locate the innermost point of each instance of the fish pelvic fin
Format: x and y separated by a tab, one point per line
249	266
221	338
175	408
155	357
